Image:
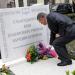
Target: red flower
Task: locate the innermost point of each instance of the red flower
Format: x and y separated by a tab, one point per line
28	57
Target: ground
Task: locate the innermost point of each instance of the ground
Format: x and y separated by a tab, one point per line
42	67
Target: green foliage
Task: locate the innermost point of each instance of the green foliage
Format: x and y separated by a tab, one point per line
70	73
73	72
67	72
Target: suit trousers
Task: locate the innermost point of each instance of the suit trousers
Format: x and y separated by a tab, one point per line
60	44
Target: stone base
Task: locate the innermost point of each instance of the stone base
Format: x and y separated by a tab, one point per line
71	49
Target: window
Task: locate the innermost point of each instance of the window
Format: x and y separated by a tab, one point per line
66	1
46	1
49	1
11	4
20	3
53	1
30	2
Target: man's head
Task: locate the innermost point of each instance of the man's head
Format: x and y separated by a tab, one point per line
41	17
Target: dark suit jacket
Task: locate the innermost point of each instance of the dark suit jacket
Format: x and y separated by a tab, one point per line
58	23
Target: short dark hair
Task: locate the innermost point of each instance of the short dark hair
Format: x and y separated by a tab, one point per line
41	15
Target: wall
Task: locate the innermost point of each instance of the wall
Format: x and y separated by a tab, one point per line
3	3
59	1
40	1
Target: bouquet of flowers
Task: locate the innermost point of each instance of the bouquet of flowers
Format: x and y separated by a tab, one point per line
31	54
45	52
40	51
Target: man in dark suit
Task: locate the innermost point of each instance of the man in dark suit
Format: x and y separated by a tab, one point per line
65	28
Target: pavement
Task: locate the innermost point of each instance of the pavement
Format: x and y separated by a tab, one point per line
42	67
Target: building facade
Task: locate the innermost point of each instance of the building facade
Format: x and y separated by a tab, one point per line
21	3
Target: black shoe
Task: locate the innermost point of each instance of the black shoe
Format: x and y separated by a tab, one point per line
0	55
59	58
64	63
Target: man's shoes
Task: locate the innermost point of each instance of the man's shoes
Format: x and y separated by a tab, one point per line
64	63
0	55
59	57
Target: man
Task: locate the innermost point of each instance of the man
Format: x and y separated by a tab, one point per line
62	26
